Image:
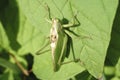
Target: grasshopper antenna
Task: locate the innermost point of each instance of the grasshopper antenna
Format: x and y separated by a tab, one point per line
59	8
44	4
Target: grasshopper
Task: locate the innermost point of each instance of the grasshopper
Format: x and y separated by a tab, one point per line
59	37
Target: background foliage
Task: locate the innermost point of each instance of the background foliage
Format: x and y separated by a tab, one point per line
23	31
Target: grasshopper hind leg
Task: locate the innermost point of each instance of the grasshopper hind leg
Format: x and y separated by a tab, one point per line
70	44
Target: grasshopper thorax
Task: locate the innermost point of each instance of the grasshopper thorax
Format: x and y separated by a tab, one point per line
56	27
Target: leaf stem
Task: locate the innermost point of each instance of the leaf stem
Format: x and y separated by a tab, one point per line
25	72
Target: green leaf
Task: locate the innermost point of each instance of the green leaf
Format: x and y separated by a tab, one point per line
9	65
109	70
113	55
16	33
4	76
9	76
96	19
43	68
9	24
118	68
4	42
115	78
28	37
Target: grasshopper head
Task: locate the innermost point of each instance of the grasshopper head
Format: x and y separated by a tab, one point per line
55	20
56	24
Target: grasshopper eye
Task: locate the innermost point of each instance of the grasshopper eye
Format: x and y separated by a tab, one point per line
53	38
